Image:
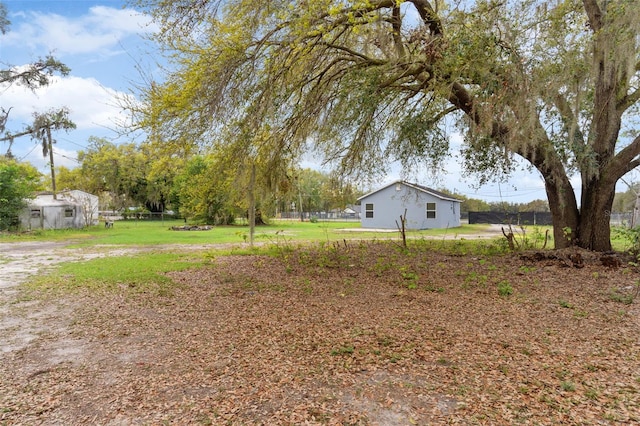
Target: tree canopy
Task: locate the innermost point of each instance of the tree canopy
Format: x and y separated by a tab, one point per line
18	181
364	82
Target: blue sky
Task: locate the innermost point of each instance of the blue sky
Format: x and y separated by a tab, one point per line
105	45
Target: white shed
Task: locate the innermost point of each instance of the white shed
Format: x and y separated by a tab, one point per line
425	208
89	202
70	209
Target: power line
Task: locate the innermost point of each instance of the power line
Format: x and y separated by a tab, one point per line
71	142
67	157
29	153
54	151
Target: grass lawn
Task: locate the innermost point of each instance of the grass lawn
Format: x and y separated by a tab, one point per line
131	232
143	232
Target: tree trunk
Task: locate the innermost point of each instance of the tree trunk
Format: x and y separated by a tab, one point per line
252	203
595	211
564	212
588	227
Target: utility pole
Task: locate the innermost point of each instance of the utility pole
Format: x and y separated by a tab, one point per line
53	169
40	130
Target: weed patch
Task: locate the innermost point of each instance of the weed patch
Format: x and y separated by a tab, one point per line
505	288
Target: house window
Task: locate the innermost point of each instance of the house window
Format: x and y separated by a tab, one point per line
431	210
35	213
368	210
68	212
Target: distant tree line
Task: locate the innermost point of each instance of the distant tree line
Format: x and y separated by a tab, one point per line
201	187
477	205
624	202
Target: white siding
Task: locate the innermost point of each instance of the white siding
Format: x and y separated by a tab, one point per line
69	210
389	204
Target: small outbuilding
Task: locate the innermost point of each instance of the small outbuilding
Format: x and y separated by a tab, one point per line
425	208
70	209
89	202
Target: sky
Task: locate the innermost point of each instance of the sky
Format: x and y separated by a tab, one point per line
106	46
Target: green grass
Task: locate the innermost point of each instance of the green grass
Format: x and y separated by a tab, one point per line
146	271
131	232
139	273
463	229
144	232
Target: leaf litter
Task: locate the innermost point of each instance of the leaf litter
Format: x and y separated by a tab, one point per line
353	334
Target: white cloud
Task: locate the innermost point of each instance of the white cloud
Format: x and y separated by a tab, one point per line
91	105
61	157
90	42
99	31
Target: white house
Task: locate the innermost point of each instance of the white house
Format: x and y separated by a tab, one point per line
425	208
70	209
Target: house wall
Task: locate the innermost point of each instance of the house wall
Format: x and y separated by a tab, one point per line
57	216
32	217
89	202
390	203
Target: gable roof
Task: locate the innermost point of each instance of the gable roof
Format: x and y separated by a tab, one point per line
417	187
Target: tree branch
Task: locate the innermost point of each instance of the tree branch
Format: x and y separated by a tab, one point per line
353	53
408	70
36	74
626	102
461	98
4	116
346	12
429	16
568	118
11	136
397	33
626	160
633	164
594	13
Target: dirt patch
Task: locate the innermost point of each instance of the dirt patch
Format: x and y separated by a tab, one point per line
356	333
23	319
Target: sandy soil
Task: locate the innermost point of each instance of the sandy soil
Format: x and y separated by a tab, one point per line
22	321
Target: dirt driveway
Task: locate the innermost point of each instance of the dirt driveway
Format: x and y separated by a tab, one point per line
22	321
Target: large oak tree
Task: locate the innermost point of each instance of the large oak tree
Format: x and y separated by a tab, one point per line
366	81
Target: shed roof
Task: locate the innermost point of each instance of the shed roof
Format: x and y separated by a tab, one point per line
45	201
416	186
